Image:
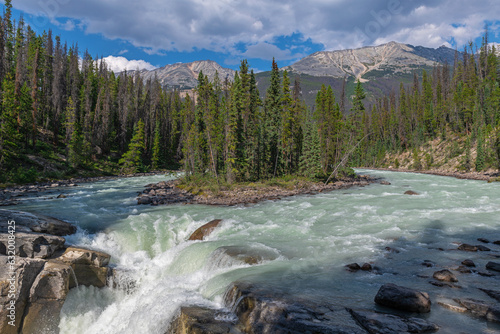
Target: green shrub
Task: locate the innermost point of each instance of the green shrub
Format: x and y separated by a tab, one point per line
21	175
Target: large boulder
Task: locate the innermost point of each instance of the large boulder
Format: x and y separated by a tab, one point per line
47	296
32	245
205	230
197	319
403	298
89	267
382	323
30	222
16	279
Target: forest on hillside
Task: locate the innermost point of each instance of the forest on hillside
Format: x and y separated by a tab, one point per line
64	113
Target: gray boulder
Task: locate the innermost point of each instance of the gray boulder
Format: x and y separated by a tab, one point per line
30	222
495	266
47	296
402	298
32	245
445	276
17	280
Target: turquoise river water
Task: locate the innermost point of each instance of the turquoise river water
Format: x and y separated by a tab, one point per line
310	239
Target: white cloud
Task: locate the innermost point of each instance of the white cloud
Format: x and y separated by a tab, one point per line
227	25
119	64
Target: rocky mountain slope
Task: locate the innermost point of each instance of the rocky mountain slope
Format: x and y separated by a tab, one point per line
185	75
384	60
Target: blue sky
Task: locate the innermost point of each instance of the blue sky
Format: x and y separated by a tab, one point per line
154	33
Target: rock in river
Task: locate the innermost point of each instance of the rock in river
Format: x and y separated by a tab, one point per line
495	266
402	298
205	230
445	276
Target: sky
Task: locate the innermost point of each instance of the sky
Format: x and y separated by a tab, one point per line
147	34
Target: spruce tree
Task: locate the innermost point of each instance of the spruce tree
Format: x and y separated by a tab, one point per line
155	159
131	160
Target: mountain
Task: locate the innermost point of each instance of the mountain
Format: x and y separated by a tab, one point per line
382	68
185	75
384	60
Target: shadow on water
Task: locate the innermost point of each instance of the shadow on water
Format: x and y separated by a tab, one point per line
405	263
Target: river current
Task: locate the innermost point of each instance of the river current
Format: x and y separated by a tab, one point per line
307	241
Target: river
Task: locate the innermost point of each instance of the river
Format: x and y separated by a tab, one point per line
307	240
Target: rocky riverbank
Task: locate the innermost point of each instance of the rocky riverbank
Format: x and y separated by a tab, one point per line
169	192
38	269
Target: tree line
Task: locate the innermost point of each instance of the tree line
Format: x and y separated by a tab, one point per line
461	100
54	101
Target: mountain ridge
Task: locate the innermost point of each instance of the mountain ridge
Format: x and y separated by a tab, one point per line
390	57
185	75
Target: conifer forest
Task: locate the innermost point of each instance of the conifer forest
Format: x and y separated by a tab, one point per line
59	102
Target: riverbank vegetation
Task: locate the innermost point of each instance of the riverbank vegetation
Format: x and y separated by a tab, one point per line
63	114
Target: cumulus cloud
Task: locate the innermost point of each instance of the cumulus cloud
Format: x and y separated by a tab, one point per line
119	64
251	27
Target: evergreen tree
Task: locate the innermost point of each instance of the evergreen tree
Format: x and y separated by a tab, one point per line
131	160
272	124
310	160
155	159
480	157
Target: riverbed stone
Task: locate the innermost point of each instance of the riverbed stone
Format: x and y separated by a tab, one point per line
353	267
468	248
445	275
202	320
383	323
403	298
463	269
205	230
411	192
481	308
495	266
468	263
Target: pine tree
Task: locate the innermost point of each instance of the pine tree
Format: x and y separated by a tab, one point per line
272	124
155	160
310	159
9	137
480	157
131	161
